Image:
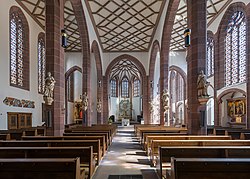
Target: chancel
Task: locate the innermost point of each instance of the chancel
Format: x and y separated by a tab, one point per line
125	89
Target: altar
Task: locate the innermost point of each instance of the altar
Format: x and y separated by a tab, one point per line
125	110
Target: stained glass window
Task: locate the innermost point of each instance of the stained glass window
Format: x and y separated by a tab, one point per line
125	88
113	88
235	49
16	50
136	87
41	65
210	56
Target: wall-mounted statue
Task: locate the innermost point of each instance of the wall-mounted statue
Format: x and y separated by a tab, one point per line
85	101
99	105
49	89
202	85
151	107
165	99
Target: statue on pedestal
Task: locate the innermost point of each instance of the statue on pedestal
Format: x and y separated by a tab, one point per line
49	89
85	101
99	105
165	98
202	85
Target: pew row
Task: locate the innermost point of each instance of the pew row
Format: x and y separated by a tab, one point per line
154	153
101	138
204	168
97	152
56	168
149	139
163	166
85	154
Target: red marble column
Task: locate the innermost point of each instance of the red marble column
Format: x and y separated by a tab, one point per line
55	61
196	57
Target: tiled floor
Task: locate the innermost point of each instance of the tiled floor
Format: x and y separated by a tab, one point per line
125	157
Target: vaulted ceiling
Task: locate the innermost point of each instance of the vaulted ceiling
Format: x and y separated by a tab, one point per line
123	25
214	8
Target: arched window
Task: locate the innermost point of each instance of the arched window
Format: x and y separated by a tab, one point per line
136	87
70	86
235	49
41	62
113	87
210	56
19	49
125	88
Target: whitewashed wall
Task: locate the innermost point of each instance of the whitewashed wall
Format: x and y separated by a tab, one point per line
6	89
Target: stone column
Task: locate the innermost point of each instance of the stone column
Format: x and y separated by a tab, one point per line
196	57
55	61
248	67
105	100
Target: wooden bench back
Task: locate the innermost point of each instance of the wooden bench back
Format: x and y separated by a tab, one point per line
149	139
85	154
101	138
200	152
57	143
66	168
164	143
203	168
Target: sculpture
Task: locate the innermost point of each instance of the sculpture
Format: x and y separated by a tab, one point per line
99	105
85	101
202	85
49	89
151	106
165	98
78	109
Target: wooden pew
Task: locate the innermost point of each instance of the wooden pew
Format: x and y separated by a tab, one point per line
105	134
204	168
165	154
101	138
85	154
96	132
160	129
144	140
97	152
66	168
4	136
245	136
160	141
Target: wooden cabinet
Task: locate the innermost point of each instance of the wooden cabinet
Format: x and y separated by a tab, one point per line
19	120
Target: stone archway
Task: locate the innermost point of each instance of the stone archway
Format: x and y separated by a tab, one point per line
165	49
144	85
67	75
84	35
95	50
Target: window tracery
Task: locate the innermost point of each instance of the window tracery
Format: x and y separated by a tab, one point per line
235	50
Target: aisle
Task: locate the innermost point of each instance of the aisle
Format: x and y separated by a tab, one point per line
125	157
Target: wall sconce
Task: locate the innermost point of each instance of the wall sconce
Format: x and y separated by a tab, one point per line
187	33
151	84
64	38
99	83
